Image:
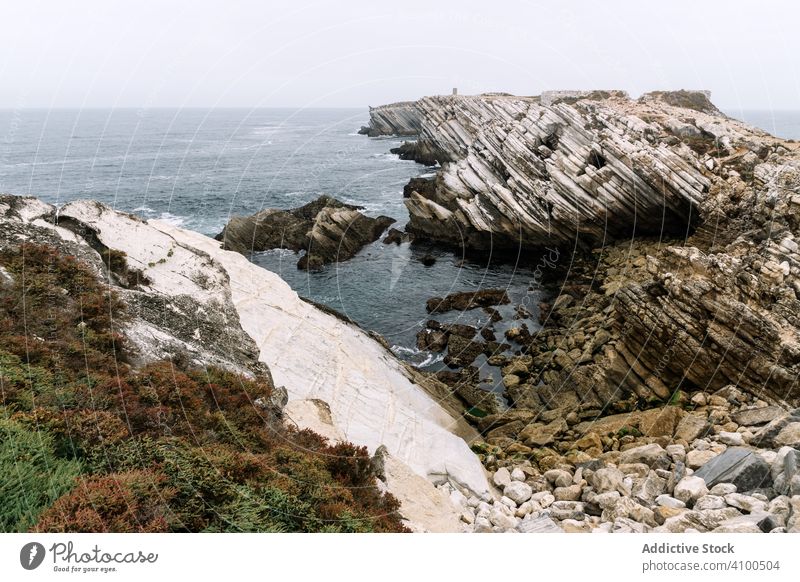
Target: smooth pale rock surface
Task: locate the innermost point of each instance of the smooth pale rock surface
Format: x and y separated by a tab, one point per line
371	398
424	507
313	354
314	415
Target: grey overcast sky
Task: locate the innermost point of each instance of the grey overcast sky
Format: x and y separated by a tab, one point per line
242	53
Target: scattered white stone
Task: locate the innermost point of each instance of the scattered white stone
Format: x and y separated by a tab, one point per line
518	491
733	439
608	499
676	452
710	502
508	502
517	474
458	498
571	493
501	519
665	500
558	477
610	479
539	524
768	456
746	502
543	498
723	489
690	489
501	477
529	506
567	510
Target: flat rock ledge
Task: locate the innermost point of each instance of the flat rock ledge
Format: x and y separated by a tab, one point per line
327	229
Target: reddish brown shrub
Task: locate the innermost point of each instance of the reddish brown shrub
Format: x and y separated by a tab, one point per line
133	502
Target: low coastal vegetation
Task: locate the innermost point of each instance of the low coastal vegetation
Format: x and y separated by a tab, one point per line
89	443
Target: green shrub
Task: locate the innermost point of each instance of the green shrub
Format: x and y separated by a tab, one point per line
31	476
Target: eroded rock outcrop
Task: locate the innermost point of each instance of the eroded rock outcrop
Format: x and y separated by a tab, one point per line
195	301
327	229
402	118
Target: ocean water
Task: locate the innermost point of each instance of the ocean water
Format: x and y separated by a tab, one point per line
196	168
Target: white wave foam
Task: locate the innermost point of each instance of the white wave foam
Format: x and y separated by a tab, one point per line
410	353
173	219
430	360
404	350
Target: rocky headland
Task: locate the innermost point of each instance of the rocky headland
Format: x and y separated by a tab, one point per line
659	392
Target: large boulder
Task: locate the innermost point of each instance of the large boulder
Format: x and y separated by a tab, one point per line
327	229
465	300
740	466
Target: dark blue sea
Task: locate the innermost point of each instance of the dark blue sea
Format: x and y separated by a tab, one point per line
196	168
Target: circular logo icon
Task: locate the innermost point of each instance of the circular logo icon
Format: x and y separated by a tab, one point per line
31	555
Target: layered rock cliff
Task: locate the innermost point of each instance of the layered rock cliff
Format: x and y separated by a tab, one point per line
192	301
526	171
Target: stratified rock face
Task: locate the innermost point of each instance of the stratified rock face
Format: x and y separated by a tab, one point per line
217	307
327	229
401	118
517	172
713	302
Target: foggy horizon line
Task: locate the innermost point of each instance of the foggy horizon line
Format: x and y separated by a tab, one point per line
7	108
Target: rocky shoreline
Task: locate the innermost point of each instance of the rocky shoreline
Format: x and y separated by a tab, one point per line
668	345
